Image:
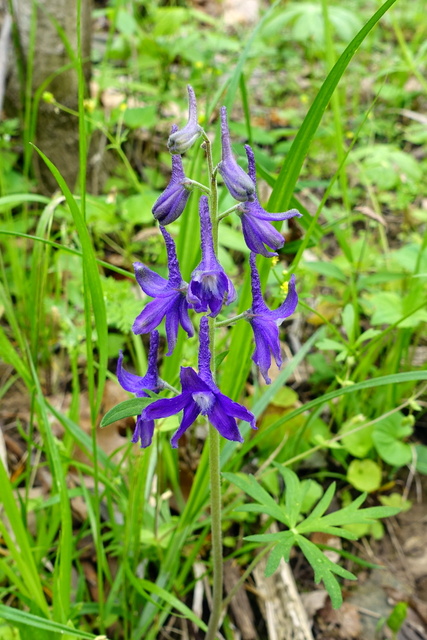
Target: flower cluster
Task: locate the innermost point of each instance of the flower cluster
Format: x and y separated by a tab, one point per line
207	292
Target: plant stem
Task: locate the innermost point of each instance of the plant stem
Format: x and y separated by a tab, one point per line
214	444
225	323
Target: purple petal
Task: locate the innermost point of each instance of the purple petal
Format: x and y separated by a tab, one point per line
150	282
236	410
172	325
137	384
224	423
251	163
193	383
236	180
184	318
165	407
153	313
191	411
204	352
144	430
258	304
175	278
253	238
171	203
266	335
288	306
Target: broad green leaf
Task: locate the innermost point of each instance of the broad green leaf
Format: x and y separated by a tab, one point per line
364	475
359	443
387	437
125	409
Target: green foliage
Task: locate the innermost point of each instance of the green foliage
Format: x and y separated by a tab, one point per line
290	514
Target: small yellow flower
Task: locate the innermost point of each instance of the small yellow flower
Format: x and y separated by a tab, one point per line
274	260
89	105
123	106
199	64
284	287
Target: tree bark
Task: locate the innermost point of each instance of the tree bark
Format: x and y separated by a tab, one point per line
56	131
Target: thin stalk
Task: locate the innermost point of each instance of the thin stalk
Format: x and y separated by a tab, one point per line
214	444
226	323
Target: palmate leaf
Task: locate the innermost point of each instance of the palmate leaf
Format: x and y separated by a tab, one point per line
290	514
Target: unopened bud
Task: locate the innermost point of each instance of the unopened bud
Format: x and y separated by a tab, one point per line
183	139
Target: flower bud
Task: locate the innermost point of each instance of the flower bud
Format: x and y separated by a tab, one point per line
236	180
183	139
171	203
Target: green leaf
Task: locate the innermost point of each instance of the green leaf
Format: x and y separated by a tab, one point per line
36	622
125	409
311	492
364	475
387	436
421	456
359	443
324	570
250	485
293	495
281	550
398	616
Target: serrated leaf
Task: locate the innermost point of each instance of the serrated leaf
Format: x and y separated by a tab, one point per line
293	497
125	409
250	485
324	569
281	550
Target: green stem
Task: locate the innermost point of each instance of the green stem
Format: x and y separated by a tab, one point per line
214	444
225	323
236	207
198	185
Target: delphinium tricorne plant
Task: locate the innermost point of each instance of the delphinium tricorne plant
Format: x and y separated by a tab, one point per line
207	293
209	290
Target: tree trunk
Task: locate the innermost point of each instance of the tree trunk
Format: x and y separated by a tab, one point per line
56	131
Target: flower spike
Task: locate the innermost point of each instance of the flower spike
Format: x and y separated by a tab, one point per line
256	226
181	140
171	203
169	298
236	180
265	323
138	385
200	395
209	285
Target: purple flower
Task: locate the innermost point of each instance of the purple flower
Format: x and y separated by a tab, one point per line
138	385
169	206
181	140
265	323
200	395
170	299
256	226
236	180
209	285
